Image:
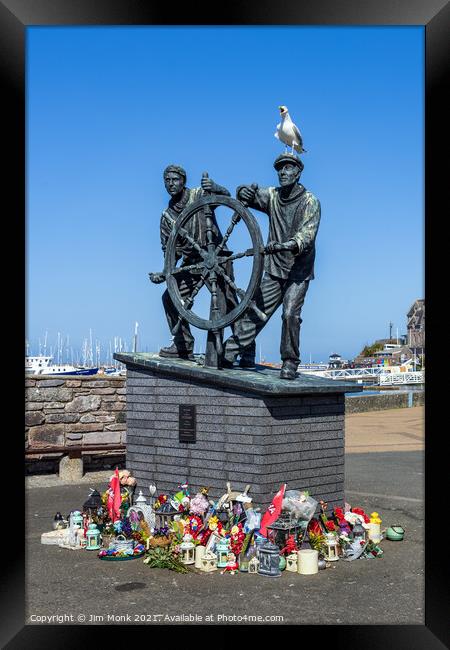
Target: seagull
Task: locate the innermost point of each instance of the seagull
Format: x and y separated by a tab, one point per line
288	132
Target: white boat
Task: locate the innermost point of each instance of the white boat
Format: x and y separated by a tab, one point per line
113	371
41	365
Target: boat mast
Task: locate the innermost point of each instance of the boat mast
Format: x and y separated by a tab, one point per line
91	357
135	337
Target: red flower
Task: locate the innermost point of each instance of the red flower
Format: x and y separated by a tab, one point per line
314	527
360	511
330	525
339	513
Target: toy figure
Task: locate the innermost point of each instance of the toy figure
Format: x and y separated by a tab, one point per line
232	566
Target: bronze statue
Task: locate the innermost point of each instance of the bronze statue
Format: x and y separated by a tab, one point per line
294	215
190	233
182	197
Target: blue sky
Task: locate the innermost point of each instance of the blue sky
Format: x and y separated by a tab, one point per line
108	108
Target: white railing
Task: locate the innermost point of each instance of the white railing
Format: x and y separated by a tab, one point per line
349	373
391	379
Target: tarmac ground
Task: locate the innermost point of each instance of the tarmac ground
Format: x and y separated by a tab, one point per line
384	472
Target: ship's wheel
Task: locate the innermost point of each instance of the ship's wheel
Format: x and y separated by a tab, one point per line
211	270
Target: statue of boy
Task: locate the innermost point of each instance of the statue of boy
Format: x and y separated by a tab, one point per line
294	216
181	196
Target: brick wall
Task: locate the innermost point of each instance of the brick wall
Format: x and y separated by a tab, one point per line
241	437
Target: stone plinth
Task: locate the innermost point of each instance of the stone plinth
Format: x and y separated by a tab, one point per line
252	427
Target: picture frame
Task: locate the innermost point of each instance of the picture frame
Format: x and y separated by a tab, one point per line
213	539
15	17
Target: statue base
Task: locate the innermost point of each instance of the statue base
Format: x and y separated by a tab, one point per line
187	423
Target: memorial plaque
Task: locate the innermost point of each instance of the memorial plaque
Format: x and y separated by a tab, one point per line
187	423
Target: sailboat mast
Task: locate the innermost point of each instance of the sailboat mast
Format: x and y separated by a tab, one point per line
135	337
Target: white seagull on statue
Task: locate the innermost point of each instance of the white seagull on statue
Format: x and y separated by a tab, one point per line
288	132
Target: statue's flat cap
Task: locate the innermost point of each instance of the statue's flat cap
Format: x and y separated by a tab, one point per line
288	158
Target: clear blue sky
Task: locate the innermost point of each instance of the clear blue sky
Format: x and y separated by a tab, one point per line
108	108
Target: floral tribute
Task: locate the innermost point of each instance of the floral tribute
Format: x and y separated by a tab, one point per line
195	520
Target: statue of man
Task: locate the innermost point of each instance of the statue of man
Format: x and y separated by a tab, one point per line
294	215
181	196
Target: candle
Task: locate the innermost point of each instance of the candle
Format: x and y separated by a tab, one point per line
308	561
375	528
375	532
199	553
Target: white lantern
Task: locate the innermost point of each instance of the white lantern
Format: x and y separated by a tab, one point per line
292	562
187	549
208	562
253	565
331	541
141	506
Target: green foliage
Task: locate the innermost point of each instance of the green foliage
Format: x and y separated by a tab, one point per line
162	558
371	350
246	542
318	543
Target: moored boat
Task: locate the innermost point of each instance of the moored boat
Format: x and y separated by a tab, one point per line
41	365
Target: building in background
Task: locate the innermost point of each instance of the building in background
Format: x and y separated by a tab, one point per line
406	347
416	326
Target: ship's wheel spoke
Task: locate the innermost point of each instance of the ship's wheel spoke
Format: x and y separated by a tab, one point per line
229	281
248	253
184	233
192	267
190	301
241	293
234	221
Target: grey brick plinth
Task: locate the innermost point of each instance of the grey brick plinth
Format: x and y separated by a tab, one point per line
243	437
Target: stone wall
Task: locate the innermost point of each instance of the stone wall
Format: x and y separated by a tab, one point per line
91	410
83	410
361	403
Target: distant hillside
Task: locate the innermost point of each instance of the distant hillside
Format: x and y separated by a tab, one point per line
370	350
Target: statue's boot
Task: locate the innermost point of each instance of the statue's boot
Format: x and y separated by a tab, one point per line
226	363
247	359
175	352
288	369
